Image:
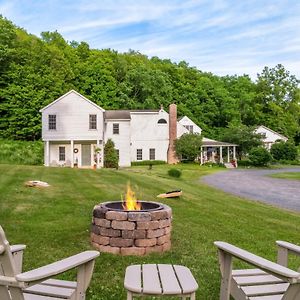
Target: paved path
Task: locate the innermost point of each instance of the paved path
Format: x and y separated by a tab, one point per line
255	184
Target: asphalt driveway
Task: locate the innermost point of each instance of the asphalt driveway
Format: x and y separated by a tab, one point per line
255	184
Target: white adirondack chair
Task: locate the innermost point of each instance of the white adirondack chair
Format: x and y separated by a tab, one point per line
37	284
269	281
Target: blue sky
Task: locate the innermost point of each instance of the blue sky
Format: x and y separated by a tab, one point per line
223	37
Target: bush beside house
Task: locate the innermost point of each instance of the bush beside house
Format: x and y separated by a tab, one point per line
110	155
284	151
260	156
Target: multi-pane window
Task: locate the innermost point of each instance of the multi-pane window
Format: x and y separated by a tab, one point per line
152	154
139	154
190	128
62	153
116	128
93	122
118	153
52	122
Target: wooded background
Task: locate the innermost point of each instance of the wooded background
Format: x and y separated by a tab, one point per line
36	71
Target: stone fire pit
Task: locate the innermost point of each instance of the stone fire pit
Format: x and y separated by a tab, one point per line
118	231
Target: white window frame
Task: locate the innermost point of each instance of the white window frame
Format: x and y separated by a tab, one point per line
93	122
152	154
52	122
61	153
116	128
139	154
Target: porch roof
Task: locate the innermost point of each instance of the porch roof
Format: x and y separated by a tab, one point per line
213	143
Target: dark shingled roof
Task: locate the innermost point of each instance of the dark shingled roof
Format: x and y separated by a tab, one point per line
211	143
117	114
125	114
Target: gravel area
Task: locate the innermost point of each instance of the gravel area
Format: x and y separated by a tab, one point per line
256	185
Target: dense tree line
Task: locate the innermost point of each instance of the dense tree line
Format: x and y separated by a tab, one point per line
35	71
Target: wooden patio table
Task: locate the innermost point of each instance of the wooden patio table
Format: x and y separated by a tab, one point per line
160	280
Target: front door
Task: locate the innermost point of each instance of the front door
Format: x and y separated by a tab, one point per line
85	155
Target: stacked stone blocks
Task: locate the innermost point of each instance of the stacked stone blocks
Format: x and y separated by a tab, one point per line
131	232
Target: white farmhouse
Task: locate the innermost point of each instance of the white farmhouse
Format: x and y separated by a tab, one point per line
74	130
269	136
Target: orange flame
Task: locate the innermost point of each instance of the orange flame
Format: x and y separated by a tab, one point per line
131	202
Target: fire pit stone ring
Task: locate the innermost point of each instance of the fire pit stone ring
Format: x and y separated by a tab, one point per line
126	232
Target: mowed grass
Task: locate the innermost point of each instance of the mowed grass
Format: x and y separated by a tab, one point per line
55	222
287	175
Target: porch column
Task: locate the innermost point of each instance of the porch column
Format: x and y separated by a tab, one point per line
221	154
234	154
228	154
47	154
72	154
98	154
201	156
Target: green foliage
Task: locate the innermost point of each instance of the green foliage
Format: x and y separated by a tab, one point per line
148	162
284	151
35	71
21	152
188	146
260	156
243	136
174	173
110	155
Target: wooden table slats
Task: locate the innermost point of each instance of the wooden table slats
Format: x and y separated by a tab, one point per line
160	279
186	279
169	282
151	282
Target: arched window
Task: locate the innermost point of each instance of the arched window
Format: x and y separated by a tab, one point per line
162	121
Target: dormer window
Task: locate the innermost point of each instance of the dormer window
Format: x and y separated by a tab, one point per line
190	128
52	122
93	122
162	121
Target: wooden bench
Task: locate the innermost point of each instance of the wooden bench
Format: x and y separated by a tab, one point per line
160	280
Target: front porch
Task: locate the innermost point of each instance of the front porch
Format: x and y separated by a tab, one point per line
74	153
217	152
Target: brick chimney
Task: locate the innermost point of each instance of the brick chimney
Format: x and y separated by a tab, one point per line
172	159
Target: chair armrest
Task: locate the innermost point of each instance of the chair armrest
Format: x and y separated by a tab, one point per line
57	267
284	249
264	264
17	248
17	253
289	246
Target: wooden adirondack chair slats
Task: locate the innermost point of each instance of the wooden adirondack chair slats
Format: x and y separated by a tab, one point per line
36	284
269	281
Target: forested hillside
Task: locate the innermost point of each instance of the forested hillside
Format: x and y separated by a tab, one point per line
35	71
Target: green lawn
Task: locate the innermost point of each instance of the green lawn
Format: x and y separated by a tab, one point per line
287	175
54	222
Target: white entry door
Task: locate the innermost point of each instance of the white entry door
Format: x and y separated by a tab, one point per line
85	155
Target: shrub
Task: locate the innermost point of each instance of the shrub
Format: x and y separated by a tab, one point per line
260	156
174	173
188	146
110	155
284	151
21	152
244	163
148	162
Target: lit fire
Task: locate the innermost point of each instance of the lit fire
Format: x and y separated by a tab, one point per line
131	202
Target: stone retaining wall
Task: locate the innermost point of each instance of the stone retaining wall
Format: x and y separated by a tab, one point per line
132	232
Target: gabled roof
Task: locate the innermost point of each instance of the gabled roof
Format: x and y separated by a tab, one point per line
67	94
269	129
